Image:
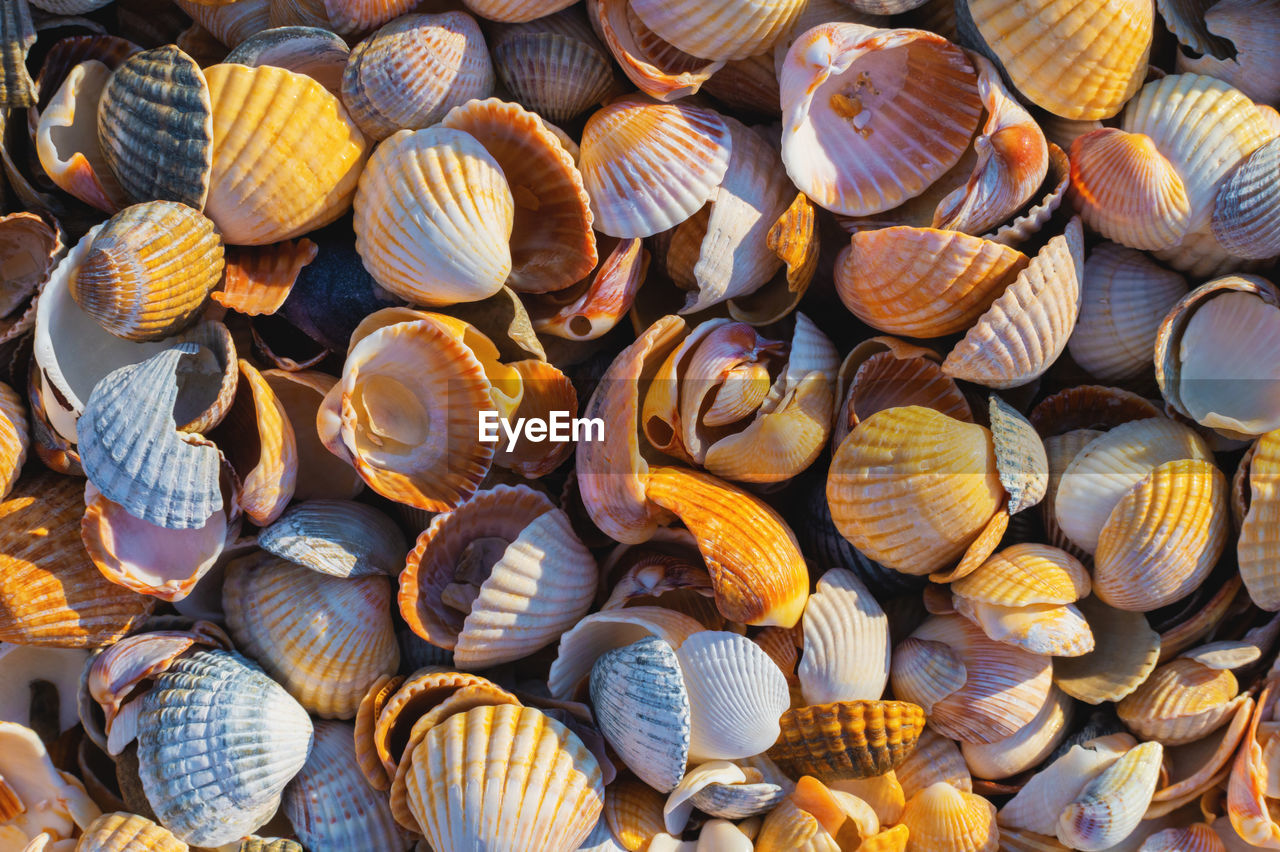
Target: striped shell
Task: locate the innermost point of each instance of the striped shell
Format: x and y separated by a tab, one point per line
719	29
341	538
603	631
1258	543
847	739
316	52
736	694
558	75
846	642
67	139
659	69
1246	210
940	816
122	832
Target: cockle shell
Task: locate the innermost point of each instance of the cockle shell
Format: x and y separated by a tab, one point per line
321	474
846	642
230	23
345	18
17	35
121	832
217	742
1040	803
1110	806
594	305
1118	664
259	279
1202	765
38	799
1028	747
515	11
1180	702
719	29
341	538
318	53
261	447
850	112
633	811
659	69
1244	210
1049	629
814	818
940	816
730	790
15	438
606	630
67	139
934	759
1248	26
413	70
1258	542
1193	838
882	792
847	739
1026	574
557	73
736	694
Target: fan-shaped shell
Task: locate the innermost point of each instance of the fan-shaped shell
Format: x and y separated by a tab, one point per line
1180	702
847	739
1110	806
316	52
555	74
606	630
1193	838
846	642
633	812
122	832
67	139
1246	210
14	438
1128	651
934	759
940	816
1026	574
341	538
736	694
1028	747
1258	543
719	29
515	11
1040	803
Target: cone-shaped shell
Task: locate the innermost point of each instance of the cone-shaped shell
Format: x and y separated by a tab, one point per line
603	631
720	29
861	133
286	155
475	774
1127	191
659	69
434	215
641	704
412	71
149	270
341	538
552	244
1127	652
1246	210
847	739
329	804
1077	61
1111	806
50	593
217	742
736	694
554	74
1025	574
156	127
942	817
67	139
846	642
1259	543
921	282
325	639
122	832
906	519
648	167
1181	702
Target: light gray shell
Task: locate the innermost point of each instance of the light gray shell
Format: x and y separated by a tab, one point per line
341	538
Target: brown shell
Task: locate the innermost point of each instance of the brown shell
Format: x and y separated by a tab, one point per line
847	739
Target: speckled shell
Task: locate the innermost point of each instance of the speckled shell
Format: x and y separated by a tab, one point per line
1181	702
341	538
156	127
325	639
1246	210
296	141
473	772
121	832
719	29
67	139
217	742
846	642
557	75
660	70
606	630
847	739
940	816
412	71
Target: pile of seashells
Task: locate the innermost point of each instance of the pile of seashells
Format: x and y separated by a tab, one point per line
927	359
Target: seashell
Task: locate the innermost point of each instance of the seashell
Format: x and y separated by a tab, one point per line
233	23
43	685
465	761
940	816
850	114
1003	688
1248	27
498	578
1047	629
1110	806
736	694
719	30
39	801
1041	802
633	811
814	816
659	69
67	139
258	844
634	156
329	803
1209	344
461	201
217	742
846	642
1202	765
794	239
17	35
259	279
1021	461
1099	476
1126	295
882	792
1089	407
318	53
1027	327
1026	574
156	128
29	249
122	832
296	140
321	475
726	790
340	538
557	75
1180	702
1024	226
1185	19
515	11
412	71
934	759
1256	541
260	447
594	305
957	506
1163	537
1029	747
847	739
604	631
149	270
920	282
1193	838
325	639
14	438
1244	210
1099	58
1118	664
552	244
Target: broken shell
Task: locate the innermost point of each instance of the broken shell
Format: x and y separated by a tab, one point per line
67	139
17	35
260	447
259	279
940	816
39	801
1039	805
847	739
728	790
657	68
321	474
846	642
736	694
814	817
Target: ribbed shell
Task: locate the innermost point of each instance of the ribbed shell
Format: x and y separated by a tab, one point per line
847	739
17	35
1127	191
648	167
921	282
727	790
155	124
260	447
475	774
231	23
660	70
846	642
258	279
149	270
1246	210
15	438
325	639
934	759
217	742
122	832
942	817
286	156
1077	60
330	805
736	694
633	812
1259	544
412	71
886	504
1029	746
515	11
434	216
318	53
720	29
1180	702
1193	838
872	118
553	74
604	631
341	538
1126	652
1042	800
1111	806
1026	574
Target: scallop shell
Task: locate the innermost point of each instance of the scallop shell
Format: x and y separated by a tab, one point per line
413	70
473	771
552	244
14	438
454	246
1193	838
1110	806
17	35
318	53
1027	327
862	135
1180	702
955	507
121	832
1246	206
554	74
719	29
156	127
67	139
814	816
660	70
1029	747
921	282
217	742
340	538
633	811
846	642
296	141
149	270
1118	665
329	803
606	630
736	694
648	167
259	279
321	474
847	739
941	816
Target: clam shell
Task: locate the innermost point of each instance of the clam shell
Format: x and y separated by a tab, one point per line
17	35
67	139
231	23
1180	702
433	206
921	282
1110	806
321	474
600	632
847	739
325	639
121	832
1127	653
553	74
1026	574
318	53
659	69
259	279
286	156
851	113
473	772
1200	766
846	642
1040	803
648	167
1027	327
1257	543
940	816
1193	838
552	244
1089	407
156	127
515	11
1021	460
413	70
1028	747
633	812
260	447
1246	206
217	742
726	790
736	694
1047	629
934	759
719	29
813	816
149	270
341	538
329	803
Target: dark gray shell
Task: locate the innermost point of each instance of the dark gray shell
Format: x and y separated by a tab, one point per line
554	75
